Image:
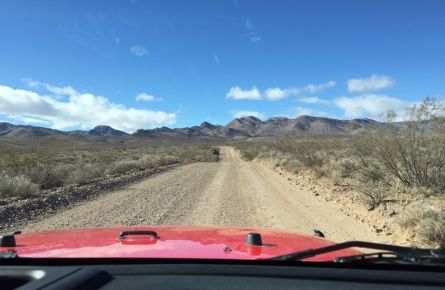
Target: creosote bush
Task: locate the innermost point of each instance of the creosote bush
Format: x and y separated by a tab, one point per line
16	186
412	153
373	194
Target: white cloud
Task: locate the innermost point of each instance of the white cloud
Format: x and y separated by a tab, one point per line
28	120
300	111
275	94
139	50
371	105
58	91
216	58
251	34
82	110
241	113
369	84
311	88
236	93
249	25
144	97
312	100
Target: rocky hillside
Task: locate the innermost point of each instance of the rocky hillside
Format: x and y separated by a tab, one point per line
238	128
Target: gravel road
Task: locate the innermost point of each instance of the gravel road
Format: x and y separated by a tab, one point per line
230	192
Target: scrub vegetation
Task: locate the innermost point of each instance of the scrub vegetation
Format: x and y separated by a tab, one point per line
398	163
28	171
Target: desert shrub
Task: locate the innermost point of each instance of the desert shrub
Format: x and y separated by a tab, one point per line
84	174
373	194
335	173
123	166
250	154
291	165
319	171
201	153
340	169
427	222
16	186
214	150
413	153
346	167
311	154
55	176
149	161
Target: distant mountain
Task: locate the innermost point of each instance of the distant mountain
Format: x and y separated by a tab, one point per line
25	131
279	126
8	130
106	131
239	128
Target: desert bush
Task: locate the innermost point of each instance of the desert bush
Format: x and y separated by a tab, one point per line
84	174
197	153
427	222
55	176
250	154
373	194
335	173
340	169
17	186
292	165
214	150
311	154
57	164
413	153
346	167
123	166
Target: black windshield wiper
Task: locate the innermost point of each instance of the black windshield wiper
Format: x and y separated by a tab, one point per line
391	254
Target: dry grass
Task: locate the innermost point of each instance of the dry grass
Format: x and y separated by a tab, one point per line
26	171
427	222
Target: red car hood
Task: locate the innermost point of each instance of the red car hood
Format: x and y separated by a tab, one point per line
173	242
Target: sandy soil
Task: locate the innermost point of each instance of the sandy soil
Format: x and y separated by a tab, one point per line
230	192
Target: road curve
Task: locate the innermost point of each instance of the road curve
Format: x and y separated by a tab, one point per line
232	192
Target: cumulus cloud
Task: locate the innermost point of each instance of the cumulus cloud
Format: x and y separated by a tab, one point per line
58	91
139	50
236	93
300	111
313	100
371	105
311	88
370	84
275	94
82	110
241	113
144	97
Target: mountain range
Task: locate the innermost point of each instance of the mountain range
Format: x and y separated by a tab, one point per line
239	128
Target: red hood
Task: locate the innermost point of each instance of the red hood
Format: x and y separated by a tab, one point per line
173	242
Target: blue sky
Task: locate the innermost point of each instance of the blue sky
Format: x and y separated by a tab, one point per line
143	64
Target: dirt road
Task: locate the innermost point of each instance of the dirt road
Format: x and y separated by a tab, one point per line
230	192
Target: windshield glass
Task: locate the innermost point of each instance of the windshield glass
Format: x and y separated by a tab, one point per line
308	122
